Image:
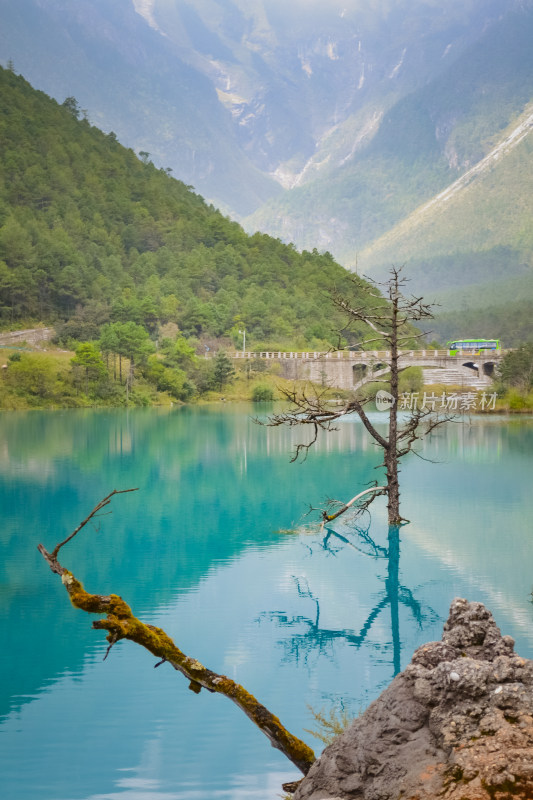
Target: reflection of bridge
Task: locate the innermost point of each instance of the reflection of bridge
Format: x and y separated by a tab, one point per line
347	369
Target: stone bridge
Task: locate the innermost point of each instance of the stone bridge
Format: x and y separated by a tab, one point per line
345	369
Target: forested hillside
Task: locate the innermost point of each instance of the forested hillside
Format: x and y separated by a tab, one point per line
91	234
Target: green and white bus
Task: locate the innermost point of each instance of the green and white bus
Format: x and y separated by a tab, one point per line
474	347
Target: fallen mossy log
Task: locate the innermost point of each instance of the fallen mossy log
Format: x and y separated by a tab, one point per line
120	623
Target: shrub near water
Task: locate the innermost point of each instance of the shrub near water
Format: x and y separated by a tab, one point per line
262	393
56	379
515	374
34	380
517	401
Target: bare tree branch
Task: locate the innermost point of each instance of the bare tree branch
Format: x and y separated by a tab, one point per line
392	322
314	410
94	512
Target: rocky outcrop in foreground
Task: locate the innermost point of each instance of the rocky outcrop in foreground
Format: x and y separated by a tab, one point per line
456	724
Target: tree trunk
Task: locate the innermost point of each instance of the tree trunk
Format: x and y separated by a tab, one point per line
391	452
393	487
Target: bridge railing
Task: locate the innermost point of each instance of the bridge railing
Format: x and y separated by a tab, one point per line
351	355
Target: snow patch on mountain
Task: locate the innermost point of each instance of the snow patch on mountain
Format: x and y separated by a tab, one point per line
364	135
145	9
332	51
398	66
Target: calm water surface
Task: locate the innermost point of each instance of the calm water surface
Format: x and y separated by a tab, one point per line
203	550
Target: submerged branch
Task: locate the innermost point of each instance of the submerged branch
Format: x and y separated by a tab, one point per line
120	623
376	490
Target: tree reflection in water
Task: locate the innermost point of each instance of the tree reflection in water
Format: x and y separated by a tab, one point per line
318	640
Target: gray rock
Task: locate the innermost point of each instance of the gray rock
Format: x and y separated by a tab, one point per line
457	723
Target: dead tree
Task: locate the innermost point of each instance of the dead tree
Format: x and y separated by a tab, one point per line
120	623
390	315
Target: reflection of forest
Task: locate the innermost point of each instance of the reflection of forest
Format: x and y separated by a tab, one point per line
36	441
483	439
211	483
314	638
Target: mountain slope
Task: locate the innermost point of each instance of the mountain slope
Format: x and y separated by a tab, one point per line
131	81
291	73
489	206
470	249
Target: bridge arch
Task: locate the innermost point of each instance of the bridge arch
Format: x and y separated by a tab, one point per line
482	367
488	368
359	372
471	365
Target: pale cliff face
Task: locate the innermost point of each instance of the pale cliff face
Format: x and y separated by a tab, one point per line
293	75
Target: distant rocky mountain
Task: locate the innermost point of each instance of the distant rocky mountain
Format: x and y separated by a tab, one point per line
240	97
444	186
423	143
470	246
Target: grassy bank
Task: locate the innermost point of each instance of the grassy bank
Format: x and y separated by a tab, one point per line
47	379
42	379
510	401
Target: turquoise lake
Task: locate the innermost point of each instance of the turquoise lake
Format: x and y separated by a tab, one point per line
205	550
